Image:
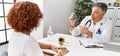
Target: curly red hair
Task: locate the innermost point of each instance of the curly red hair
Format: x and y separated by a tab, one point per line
24	16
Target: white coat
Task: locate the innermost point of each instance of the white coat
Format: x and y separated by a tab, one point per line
104	26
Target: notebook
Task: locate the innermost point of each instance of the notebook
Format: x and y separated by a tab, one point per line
88	43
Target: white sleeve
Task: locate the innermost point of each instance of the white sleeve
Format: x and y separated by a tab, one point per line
31	48
105	35
76	31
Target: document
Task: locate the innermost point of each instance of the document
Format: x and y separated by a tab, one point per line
48	51
88	43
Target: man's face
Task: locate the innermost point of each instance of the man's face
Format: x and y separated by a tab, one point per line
97	13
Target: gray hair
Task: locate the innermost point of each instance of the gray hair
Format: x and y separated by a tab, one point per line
101	5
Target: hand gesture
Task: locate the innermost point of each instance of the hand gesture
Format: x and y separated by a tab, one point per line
84	30
72	20
62	51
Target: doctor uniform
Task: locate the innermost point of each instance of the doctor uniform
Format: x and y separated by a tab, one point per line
102	30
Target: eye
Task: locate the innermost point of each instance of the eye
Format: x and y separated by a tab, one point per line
94	12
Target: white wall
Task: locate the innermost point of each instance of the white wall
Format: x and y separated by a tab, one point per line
56	14
37	33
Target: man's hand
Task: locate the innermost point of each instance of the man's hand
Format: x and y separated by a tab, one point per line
84	30
72	22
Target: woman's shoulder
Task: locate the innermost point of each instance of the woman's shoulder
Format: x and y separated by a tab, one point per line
16	42
18	38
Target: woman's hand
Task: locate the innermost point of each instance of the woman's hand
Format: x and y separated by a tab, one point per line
61	51
54	48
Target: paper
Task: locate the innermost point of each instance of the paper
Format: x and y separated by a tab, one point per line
88	43
49	51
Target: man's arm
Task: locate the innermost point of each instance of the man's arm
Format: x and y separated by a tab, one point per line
84	30
74	30
90	34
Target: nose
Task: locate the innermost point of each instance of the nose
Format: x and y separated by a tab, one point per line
93	15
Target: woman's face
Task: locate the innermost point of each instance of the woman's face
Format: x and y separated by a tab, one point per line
97	13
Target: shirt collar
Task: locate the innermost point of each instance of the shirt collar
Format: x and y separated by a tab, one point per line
101	21
19	33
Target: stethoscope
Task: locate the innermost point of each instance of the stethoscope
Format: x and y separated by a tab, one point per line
88	23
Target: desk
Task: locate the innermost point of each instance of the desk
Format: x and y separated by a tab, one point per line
75	49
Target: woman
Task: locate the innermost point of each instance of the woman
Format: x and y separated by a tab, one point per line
23	18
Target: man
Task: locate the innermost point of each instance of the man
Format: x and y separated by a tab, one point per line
94	26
